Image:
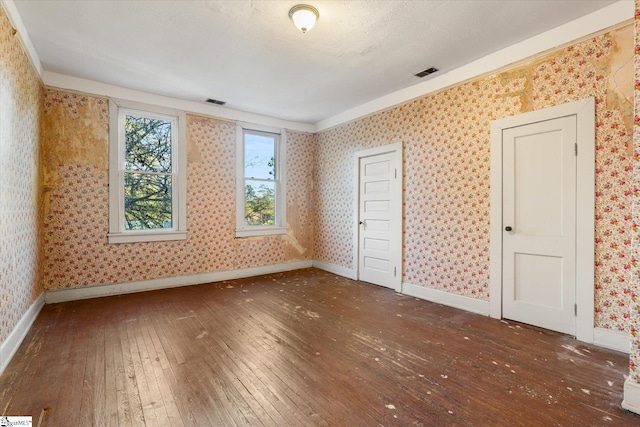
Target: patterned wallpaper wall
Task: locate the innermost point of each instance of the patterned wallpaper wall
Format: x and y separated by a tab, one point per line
20	98
634	358
76	252
446	139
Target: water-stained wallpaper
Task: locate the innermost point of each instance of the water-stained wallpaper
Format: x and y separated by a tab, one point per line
20	99
446	140
76	251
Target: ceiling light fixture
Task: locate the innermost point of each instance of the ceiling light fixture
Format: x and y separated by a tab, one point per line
304	16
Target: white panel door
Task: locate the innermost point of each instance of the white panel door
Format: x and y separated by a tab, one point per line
539	224
379	222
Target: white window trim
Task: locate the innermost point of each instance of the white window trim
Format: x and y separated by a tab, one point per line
117	233
281	183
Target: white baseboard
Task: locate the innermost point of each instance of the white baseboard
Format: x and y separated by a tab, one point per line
349	273
631	400
169	282
614	340
446	298
13	341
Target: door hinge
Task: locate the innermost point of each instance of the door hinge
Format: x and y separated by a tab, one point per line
394	271
395	173
575	309
576	148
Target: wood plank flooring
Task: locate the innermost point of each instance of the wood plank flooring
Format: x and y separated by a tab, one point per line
303	348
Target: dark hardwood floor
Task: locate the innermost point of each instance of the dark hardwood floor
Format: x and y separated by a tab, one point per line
302	348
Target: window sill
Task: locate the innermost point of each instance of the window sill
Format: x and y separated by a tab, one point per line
152	236
261	231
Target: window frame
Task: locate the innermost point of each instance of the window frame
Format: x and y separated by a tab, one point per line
280	183
117	167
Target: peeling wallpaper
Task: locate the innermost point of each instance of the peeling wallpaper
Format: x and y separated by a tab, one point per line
446	140
20	99
76	251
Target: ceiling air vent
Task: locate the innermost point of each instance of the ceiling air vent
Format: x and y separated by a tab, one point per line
215	101
426	72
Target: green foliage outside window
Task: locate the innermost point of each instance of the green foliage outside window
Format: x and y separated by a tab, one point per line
147	189
260	179
259	203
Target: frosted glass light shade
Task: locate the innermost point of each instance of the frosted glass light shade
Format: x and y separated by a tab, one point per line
304	17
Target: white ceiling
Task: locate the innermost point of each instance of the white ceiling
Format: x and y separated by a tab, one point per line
249	54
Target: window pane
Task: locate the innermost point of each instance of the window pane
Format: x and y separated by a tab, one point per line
259	203
147	144
259	156
147	201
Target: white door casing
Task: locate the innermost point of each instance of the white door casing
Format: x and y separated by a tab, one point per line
379	215
584	113
538	246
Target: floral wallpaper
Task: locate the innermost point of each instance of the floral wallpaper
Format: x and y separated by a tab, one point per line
20	95
446	139
634	357
76	251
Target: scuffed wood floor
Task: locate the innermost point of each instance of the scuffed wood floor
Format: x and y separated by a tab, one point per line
302	348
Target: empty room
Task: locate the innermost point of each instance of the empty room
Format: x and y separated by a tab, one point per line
353	213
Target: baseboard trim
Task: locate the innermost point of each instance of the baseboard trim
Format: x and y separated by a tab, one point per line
613	340
12	343
349	273
631	400
446	298
63	295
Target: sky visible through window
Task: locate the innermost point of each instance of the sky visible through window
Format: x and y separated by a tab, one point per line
259	150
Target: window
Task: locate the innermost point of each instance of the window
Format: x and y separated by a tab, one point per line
260	181
147	173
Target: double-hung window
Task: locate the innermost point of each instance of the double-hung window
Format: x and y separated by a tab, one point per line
147	173
260	181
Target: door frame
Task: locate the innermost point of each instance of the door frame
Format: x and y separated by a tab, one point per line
396	189
584	110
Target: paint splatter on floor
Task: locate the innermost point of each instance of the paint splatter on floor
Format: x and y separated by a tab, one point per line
312	314
573	349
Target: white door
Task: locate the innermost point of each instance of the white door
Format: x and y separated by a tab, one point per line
380	220
539	224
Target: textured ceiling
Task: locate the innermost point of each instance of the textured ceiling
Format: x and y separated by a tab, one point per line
249	54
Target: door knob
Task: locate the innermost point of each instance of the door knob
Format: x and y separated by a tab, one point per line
508	228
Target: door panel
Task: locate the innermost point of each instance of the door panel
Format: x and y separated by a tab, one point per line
376	244
377	219
539	204
538	177
538	280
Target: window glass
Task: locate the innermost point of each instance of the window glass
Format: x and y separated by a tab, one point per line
259	179
147	201
259	203
147	144
147	176
259	156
